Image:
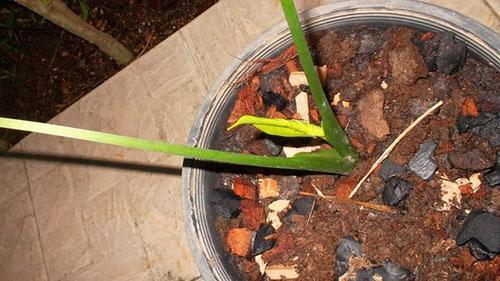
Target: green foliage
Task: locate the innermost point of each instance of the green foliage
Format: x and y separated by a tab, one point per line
281	127
84	10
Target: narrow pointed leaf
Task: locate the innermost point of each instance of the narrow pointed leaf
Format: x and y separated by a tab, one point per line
317	163
281	127
334	134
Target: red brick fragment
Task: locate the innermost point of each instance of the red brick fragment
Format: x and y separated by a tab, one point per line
469	107
252	213
244	189
239	240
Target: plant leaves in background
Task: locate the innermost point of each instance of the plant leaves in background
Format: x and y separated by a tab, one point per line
281	127
84	10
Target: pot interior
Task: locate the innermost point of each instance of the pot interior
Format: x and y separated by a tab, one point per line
208	248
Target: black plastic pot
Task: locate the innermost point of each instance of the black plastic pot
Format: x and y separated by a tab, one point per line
208	249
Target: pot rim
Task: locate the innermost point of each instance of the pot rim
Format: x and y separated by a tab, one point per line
482	40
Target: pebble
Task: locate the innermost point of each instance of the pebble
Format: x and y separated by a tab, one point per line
484	227
347	248
369	43
396	191
273	148
493	177
472	160
371	114
303	205
451	54
289	187
423	163
260	243
225	203
390	169
270	98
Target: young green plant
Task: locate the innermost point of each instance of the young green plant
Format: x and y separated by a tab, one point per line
340	160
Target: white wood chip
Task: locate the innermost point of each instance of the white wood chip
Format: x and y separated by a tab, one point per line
290	151
336	99
450	194
274	209
268	187
262	264
297	78
302	105
279	271
384	85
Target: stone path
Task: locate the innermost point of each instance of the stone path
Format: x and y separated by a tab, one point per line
117	215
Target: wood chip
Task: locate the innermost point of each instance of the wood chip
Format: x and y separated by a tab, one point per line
279	271
450	194
302	105
239	241
336	99
268	187
244	188
262	264
275	209
291	151
297	78
384	85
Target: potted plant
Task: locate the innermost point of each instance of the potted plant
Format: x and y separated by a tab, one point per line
336	156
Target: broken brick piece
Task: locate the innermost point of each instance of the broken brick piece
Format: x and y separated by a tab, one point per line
252	213
239	241
244	189
469	107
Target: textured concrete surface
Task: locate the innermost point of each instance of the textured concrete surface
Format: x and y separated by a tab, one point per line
71	210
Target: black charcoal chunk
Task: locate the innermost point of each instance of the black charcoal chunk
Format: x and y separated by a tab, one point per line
396	191
303	205
490	131
479	251
493	177
225	203
451	54
465	123
273	148
423	164
391	169
260	243
347	248
392	272
484	228
272	98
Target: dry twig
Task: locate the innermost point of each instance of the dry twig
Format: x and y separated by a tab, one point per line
373	206
393	144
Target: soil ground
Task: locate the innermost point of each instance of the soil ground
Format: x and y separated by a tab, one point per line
388	77
45	69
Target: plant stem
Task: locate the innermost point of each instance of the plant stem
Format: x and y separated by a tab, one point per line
308	161
334	133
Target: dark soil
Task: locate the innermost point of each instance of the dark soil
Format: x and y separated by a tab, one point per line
45	69
403	73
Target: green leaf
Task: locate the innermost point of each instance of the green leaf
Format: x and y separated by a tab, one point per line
281	127
84	10
334	134
328	161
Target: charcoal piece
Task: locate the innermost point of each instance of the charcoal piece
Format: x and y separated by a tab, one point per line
303	205
347	248
396	191
391	169
289	187
493	177
272	147
364	275
490	131
464	123
472	160
484	227
423	163
225	203
272	98
392	272
451	54
260	243
479	251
